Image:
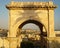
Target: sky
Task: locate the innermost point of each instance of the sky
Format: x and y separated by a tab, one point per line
4	13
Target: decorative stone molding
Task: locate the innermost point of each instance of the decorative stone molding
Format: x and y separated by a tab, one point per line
30	5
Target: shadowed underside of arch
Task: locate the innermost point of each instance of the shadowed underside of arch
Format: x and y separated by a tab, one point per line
31	21
40	25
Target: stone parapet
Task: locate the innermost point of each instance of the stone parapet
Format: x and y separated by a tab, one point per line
31	5
57	33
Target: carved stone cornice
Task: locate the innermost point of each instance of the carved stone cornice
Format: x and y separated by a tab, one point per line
31	5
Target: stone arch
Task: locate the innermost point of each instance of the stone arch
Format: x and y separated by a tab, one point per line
45	12
36	22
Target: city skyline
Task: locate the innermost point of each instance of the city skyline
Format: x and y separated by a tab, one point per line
4	14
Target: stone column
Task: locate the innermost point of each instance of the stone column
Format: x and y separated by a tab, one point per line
13	42
51	32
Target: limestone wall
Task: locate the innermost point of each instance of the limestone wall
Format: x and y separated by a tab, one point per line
57	33
4	42
54	42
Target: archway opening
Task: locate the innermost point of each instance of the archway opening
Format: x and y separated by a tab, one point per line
31	32
31	26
